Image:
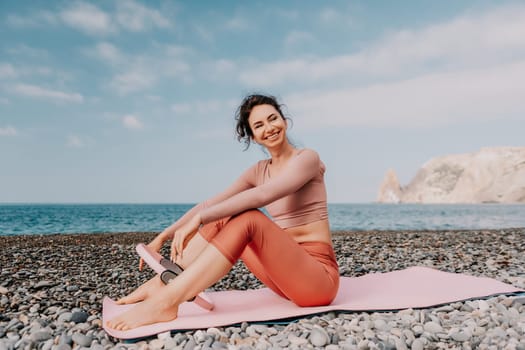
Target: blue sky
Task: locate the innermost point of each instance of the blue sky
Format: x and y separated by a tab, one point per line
128	101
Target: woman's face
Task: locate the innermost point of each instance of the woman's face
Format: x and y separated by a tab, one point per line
268	126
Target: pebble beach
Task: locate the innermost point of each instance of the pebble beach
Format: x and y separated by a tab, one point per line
52	286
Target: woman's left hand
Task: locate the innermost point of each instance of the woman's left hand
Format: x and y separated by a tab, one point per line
183	235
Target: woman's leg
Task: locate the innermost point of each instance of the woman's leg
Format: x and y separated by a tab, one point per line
142	292
163	305
192	250
287	267
294	272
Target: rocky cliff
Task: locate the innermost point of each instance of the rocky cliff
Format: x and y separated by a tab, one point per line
491	175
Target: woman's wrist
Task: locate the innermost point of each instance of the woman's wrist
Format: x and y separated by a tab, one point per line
199	218
167	234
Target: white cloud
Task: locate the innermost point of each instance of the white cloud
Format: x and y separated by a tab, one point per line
7	71
39	92
296	38
204	33
288	15
154	98
181	108
136	17
221	70
88	19
205	107
238	23
35	20
132	122
8	131
469	41
132	80
108	53
20	21
27	51
133	73
177	50
329	15
75	141
426	101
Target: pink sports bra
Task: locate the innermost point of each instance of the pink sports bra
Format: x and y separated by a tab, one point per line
296	196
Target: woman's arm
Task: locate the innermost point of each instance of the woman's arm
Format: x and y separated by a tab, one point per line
244	182
299	170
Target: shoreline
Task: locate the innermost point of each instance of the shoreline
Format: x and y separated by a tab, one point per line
334	232
47	279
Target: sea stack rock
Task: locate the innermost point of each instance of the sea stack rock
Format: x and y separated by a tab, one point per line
491	175
390	190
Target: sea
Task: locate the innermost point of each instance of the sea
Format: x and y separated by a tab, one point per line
36	219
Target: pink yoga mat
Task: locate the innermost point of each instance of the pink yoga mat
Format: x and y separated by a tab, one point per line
415	287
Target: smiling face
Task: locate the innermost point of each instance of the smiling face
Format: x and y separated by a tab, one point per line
267	125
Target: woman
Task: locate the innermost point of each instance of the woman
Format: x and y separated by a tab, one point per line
292	255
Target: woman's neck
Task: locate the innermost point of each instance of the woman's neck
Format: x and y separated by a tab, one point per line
281	155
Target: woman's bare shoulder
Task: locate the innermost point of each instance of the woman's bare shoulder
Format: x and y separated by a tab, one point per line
308	153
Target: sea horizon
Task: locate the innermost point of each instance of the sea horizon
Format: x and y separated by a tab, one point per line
61	218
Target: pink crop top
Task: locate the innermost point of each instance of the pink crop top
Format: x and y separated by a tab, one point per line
296	196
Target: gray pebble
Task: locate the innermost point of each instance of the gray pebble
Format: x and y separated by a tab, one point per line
64	317
199	336
251	331
399	344
518	301
79	317
297	341
44	284
190	345
433	327
380	325
332	347
418	330
284	343
61	347
319	337
170	343
156	344
34	309
260	328
363	345
218	345
82	339
65	339
41	336
461	336
417	345
48	344
180	338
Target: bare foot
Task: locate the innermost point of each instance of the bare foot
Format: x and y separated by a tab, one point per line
152	310
142	292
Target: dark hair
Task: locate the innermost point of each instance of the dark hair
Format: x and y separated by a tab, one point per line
243	129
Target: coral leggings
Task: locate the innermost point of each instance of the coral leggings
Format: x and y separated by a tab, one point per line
305	273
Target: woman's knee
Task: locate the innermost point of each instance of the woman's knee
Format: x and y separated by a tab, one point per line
249	218
210	230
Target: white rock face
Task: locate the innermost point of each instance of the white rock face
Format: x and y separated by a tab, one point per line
490	175
390	190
